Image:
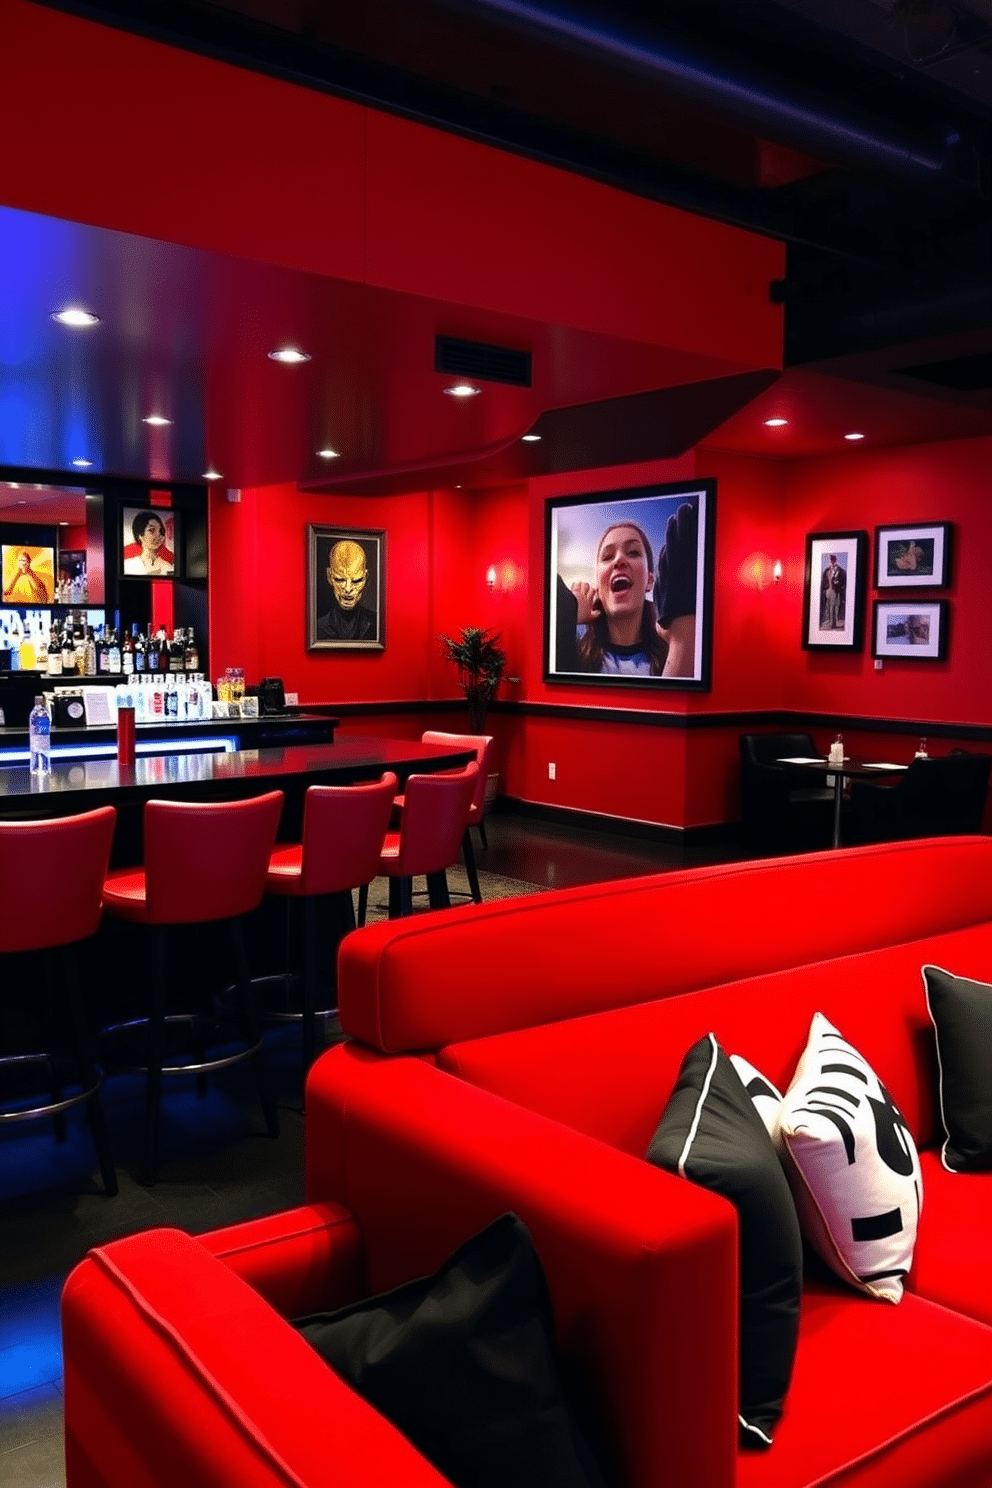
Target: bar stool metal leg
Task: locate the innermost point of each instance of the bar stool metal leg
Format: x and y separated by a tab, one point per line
468	853
91	1079
309	981
250	1019
437	890
154	1058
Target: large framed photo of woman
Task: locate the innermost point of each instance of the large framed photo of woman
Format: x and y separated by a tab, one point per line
149	542
834	592
346	589
629	586
916	555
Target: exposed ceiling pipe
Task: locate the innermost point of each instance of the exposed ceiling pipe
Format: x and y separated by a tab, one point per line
771	106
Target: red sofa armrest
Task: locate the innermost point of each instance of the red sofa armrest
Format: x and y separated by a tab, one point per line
178	1373
642	1266
300	1260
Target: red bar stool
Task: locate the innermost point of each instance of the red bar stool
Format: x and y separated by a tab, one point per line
344	827
203	861
483	744
435	815
76	849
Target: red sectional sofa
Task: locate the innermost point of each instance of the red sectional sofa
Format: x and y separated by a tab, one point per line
559	1023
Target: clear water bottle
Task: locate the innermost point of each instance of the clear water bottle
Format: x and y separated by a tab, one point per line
40	738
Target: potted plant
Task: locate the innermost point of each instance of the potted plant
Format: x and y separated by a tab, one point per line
481	663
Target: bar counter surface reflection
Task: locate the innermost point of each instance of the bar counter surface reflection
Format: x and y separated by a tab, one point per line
239	772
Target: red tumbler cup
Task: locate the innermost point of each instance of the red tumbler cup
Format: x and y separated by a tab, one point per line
125	736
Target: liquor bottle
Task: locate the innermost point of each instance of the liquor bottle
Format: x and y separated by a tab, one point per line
68	649
127	654
114	653
54	654
89	667
139	651
191	661
152	651
177	651
27	649
40	738
171	699
102	652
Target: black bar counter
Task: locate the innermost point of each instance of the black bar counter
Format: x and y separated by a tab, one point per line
83	785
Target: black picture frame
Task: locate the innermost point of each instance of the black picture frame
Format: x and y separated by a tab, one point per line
331	626
137	561
910	629
678	522
834	609
913	555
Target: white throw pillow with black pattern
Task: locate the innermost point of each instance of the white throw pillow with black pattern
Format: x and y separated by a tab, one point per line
766	1099
852	1164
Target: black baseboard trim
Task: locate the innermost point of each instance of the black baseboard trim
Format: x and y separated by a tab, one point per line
716	834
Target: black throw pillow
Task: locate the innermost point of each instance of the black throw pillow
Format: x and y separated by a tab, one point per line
962	1018
711	1134
463	1363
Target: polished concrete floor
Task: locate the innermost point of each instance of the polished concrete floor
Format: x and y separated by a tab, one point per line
217	1166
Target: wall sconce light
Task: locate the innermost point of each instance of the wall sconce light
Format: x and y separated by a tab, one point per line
491	577
777	571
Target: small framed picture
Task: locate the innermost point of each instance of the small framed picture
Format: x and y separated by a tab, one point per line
910	630
834	593
917	556
346	589
28	574
149	542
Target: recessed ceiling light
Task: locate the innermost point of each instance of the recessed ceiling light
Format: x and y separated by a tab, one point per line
531	438
156	420
328	454
75	315
83	463
775	423
211	475
854	436
289	354
462	390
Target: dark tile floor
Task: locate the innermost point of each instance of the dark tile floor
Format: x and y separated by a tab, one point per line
217	1165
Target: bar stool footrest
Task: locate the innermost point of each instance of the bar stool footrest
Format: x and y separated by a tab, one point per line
50	1107
172	1066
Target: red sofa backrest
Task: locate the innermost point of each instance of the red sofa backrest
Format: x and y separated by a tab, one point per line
420	984
610	1074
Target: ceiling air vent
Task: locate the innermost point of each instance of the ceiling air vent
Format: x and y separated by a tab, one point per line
487	363
966	374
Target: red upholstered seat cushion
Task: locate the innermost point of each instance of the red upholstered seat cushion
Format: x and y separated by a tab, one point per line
881	1397
124	893
391	846
953	1258
284	869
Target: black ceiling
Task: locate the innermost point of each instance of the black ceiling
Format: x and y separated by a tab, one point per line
858	131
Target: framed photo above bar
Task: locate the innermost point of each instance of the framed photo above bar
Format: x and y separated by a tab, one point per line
629	586
917	556
910	630
149	542
834	593
346	589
